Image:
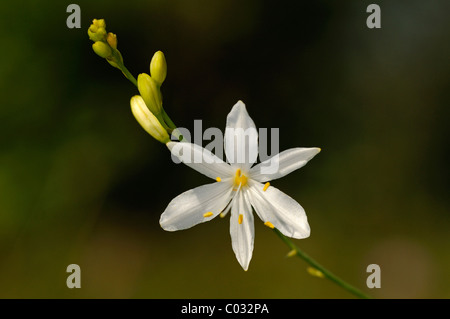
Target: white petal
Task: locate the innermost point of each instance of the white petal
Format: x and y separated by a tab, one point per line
241	138
242	234
282	164
188	209
200	159
281	210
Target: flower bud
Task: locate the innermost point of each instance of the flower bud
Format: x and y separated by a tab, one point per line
99	23
150	93
147	120
93	28
102	49
97	30
97	36
111	38
158	67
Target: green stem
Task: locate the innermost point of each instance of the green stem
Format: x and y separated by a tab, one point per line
128	75
328	274
168	120
172	127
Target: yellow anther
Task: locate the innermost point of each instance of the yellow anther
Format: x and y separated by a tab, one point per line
240	179
222	215
218	179
241	217
315	272
269	224
266	186
292	253
208	214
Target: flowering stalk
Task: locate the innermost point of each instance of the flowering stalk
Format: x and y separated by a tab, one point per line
105	45
295	251
149	86
239	188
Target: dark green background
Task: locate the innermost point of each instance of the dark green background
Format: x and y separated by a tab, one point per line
81	182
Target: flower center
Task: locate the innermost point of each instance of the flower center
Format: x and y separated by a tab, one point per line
240	179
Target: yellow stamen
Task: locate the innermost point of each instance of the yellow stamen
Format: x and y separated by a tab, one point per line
222	215
269	224
208	214
315	272
266	186
218	179
240	179
292	253
241	217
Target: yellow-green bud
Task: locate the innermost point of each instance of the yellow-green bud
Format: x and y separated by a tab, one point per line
147	120
158	67
99	23
101	32
91	34
93	28
102	49
111	38
97	30
99	35
150	93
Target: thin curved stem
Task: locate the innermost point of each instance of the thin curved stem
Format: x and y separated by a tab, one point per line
128	75
327	274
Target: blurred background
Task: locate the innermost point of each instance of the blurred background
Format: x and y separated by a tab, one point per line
81	182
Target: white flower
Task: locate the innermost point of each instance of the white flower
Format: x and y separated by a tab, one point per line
238	187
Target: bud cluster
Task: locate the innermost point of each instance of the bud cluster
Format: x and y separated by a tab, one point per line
105	43
147	107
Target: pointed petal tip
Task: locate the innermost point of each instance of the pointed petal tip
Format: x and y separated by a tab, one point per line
168	227
239	105
304	234
245	266
165	225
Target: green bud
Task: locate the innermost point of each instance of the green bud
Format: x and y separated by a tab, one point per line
150	93
102	49
158	67
147	120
